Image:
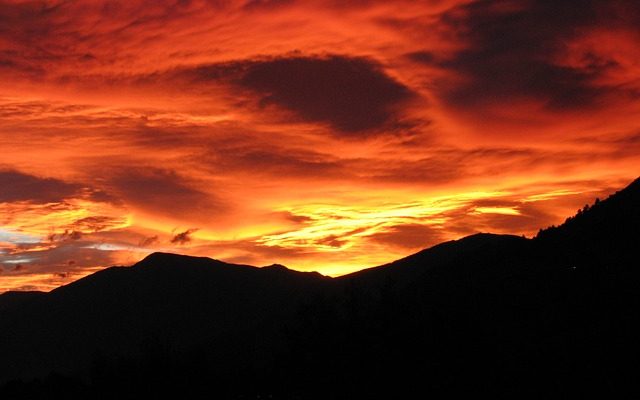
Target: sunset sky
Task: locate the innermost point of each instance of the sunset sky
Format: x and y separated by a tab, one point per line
323	135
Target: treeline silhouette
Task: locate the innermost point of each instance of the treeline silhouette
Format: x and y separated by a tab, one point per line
487	314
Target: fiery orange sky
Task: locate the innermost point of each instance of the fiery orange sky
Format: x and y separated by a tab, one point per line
323	135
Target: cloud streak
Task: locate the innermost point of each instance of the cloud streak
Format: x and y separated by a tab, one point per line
17	186
183	237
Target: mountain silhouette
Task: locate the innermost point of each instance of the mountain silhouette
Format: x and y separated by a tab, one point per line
487	313
14	299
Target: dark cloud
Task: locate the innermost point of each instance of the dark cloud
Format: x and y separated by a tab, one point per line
281	162
424	57
101	196
40	38
27	288
341	239
440	165
183	237
619	146
65	236
44	35
95	223
20	23
163	191
260	5
332	241
18	268
352	94
148	241
17	186
297	219
408	236
513	48
230	149
446	165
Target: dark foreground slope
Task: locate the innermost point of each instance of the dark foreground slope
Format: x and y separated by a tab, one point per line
14	299
165	305
487	313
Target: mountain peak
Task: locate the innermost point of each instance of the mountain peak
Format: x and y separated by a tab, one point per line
155	256
278	267
171	259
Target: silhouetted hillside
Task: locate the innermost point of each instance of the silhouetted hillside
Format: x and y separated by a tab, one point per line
14	299
607	232
558	314
164	300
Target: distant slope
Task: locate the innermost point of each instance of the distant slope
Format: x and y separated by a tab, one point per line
430	261
607	232
166	298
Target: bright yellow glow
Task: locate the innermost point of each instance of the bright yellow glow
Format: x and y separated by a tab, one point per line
46	219
351	223
549	196
497	210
